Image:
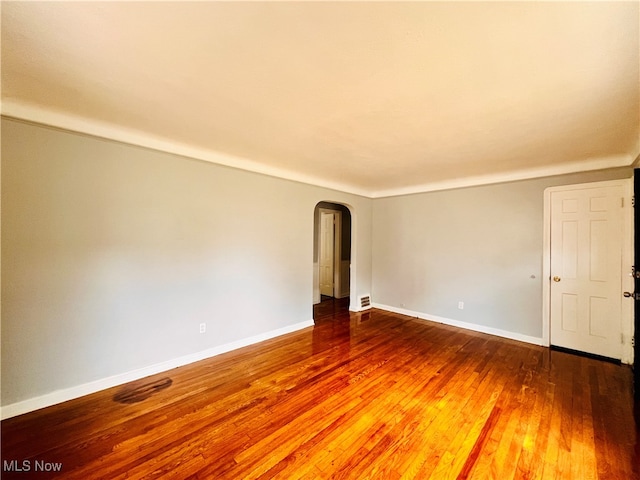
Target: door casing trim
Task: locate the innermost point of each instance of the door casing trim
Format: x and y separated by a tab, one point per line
337	247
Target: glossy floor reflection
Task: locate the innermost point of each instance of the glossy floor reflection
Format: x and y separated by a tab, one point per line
358	395
331	309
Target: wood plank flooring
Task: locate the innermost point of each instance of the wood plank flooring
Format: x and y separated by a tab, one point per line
370	395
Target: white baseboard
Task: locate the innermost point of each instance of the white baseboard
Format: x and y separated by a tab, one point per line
357	308
66	394
467	326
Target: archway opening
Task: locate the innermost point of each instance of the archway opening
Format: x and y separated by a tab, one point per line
332	250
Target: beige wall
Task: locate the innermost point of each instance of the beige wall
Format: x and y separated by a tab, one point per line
112	255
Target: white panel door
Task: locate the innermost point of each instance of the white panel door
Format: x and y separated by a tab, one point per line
586	270
326	253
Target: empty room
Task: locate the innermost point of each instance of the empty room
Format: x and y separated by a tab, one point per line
313	240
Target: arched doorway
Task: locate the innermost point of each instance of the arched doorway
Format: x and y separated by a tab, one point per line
331	258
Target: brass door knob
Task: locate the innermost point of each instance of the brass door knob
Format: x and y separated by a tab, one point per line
556	279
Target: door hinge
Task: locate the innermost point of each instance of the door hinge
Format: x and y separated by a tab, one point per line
633	201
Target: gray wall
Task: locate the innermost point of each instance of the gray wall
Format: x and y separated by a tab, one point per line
478	245
112	256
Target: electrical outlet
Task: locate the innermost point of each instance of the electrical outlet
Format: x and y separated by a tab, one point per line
461	305
203	327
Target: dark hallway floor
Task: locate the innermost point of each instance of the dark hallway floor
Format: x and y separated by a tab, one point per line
331	309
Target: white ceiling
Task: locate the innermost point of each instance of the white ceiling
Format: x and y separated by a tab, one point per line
372	98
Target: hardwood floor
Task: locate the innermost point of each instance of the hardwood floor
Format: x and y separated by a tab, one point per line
371	395
331	308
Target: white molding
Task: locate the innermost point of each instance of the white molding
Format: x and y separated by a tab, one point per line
66	394
75	123
465	325
614	161
546	269
627	326
12	108
353	278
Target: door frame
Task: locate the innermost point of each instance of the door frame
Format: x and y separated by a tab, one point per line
626	311
337	247
636	281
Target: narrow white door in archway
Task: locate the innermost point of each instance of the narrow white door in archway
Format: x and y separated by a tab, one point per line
586	269
326	253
